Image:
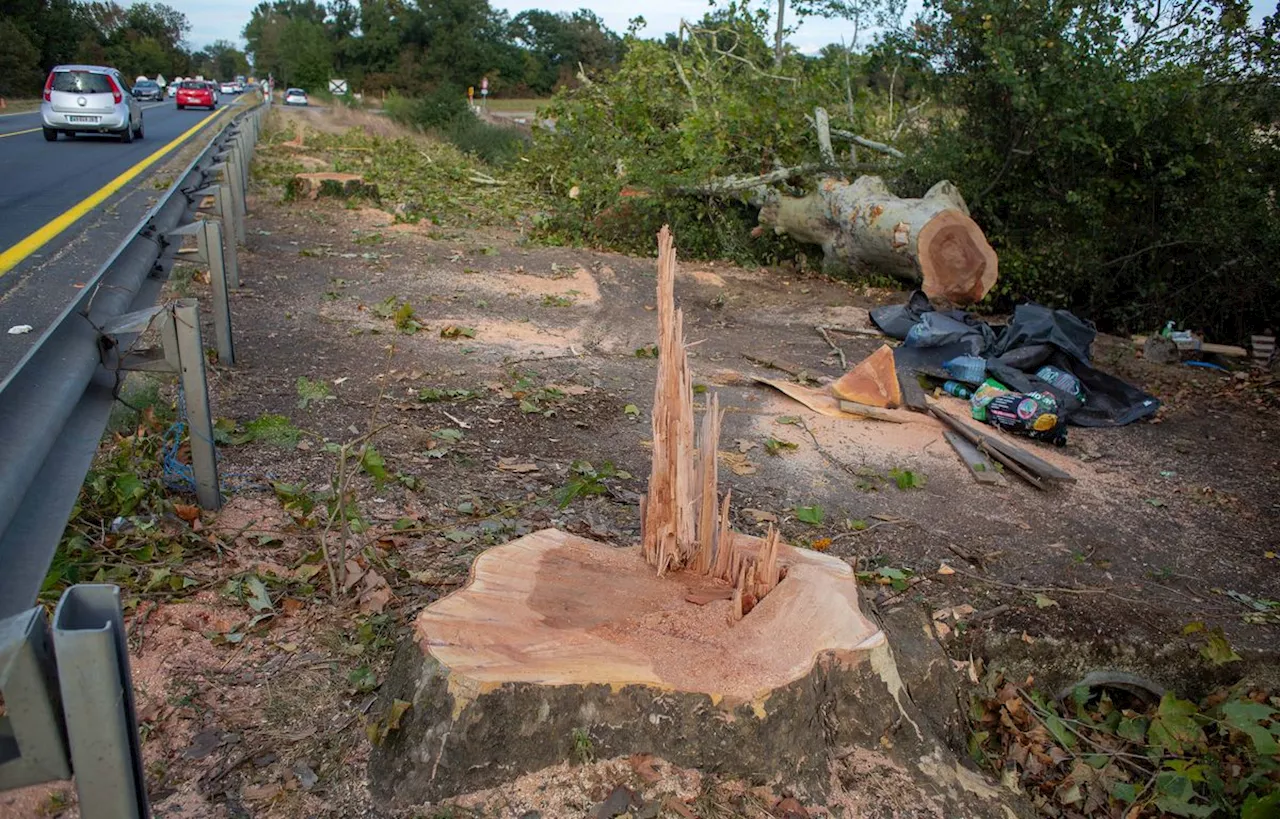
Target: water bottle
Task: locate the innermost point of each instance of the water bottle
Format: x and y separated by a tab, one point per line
957	389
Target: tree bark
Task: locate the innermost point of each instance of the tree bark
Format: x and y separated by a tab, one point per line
931	242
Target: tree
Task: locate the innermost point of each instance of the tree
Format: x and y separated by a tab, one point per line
1116	151
19	61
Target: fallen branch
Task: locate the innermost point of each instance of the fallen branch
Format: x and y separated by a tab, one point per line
844	363
868	143
822	124
737	184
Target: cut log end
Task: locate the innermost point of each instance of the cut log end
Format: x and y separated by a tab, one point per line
956	261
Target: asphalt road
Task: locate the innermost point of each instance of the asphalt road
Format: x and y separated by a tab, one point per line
40	181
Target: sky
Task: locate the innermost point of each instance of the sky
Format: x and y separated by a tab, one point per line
224	19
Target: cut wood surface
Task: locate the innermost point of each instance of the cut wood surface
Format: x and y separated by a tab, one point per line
556	609
315	185
873	381
931	241
823	402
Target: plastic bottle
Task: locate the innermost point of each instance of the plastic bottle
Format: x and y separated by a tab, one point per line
957	389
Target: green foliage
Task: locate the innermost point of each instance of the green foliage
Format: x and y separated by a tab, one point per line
811	515
629	149
123	528
1117	160
586	480
1104	753
444	112
311	391
269	429
583	748
906	479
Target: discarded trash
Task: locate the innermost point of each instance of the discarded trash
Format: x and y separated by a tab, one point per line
957	389
1033	414
967	368
986	392
19	329
1064	381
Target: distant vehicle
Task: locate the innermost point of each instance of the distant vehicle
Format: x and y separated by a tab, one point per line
147	90
173	86
196	94
89	99
240	80
295	96
227	87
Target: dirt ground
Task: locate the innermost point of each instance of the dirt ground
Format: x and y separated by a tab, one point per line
1170	522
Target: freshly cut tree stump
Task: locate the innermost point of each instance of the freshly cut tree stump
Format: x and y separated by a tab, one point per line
931	241
327	183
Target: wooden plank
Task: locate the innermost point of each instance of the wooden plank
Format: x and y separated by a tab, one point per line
913	397
982	469
1031	462
854	408
978	440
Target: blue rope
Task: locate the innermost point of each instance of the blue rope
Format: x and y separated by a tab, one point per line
181	477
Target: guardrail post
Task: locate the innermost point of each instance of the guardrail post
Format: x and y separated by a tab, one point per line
210	241
231	175
97	701
34	749
183	332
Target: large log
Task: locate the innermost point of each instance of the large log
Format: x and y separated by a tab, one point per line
931	242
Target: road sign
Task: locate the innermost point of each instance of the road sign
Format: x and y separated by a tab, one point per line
484	85
338	87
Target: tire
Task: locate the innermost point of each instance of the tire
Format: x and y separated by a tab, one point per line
139	133
126	136
181	106
50	135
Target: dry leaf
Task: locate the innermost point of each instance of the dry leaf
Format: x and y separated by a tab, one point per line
354	573
291	606
760	516
1027	639
944	630
187	512
745	446
945	569
738	463
673	804
821	544
642	764
376	593
261	793
511	465
570	389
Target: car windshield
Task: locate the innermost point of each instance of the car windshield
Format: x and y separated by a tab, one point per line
192	85
81	82
146	85
296	92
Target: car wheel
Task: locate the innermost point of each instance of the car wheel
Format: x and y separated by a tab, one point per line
50	135
139	132
126	136
181	106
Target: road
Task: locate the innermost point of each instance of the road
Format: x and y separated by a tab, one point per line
44	186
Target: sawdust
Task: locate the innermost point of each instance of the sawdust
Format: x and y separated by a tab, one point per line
579	288
573	790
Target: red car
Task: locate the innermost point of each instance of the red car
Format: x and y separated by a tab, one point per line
195	93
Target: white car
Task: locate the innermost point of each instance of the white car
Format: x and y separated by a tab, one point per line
227	88
89	99
295	96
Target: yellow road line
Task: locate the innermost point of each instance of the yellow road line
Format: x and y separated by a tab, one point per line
14	255
17	133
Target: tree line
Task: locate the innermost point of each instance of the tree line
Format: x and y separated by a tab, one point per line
414	47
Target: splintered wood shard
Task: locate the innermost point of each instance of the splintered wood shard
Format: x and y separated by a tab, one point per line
683	525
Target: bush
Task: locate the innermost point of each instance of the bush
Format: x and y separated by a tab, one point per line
1129	180
445	112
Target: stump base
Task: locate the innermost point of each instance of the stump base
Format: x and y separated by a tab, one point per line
556	636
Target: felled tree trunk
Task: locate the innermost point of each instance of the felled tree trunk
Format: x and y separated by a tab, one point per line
931	242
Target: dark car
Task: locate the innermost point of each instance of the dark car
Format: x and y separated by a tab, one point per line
148	90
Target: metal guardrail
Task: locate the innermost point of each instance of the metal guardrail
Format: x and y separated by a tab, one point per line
69	711
55	403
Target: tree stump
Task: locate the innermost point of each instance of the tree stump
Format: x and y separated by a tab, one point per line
931	242
557	640
338	185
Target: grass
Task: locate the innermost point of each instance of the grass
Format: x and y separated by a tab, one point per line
520	106
18	106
